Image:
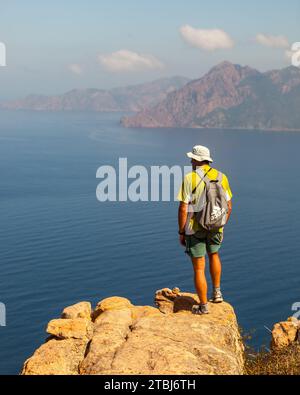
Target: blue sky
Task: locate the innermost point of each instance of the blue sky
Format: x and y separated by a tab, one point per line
52	47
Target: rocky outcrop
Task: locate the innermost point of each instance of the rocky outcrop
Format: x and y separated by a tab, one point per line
120	338
229	96
285	333
79	310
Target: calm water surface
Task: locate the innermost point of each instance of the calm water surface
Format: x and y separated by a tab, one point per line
59	245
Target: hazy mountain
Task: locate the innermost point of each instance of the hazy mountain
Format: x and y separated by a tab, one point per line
229	96
132	98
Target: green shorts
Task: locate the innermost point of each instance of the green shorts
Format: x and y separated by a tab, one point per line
203	241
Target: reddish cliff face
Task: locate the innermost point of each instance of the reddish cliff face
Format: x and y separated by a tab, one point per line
220	88
229	96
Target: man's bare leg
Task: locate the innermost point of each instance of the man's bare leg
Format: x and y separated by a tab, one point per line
200	279
215	268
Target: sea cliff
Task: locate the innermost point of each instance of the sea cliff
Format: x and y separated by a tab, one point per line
119	338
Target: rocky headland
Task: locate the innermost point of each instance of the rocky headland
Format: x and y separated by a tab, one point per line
118	338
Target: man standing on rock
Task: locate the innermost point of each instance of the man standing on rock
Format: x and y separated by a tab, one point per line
198	239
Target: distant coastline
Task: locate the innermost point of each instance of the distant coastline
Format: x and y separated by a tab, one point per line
240	128
229	96
224	128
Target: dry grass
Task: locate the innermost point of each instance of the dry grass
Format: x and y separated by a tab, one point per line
280	362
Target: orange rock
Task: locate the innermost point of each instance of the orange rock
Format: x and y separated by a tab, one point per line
56	358
283	334
78	310
70	329
112	303
135	340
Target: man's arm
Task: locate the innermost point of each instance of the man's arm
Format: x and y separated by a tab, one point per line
182	218
229	210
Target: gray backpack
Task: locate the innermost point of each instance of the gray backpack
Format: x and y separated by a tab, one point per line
214	204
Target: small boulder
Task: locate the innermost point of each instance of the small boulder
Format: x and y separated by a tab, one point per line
112	303
78	310
283	334
164	299
70	328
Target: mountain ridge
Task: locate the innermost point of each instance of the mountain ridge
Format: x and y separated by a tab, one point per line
229	96
131	98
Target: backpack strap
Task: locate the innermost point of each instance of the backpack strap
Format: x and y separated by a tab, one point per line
220	177
204	178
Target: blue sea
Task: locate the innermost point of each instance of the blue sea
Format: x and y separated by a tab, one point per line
59	245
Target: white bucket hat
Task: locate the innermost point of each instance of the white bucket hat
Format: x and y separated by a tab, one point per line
200	153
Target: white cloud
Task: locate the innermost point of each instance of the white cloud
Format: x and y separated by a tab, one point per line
272	41
207	39
293	54
125	60
75	68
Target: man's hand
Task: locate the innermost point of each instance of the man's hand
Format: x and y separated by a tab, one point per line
182	240
182	218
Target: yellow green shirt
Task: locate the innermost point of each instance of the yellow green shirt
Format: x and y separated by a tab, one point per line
191	180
